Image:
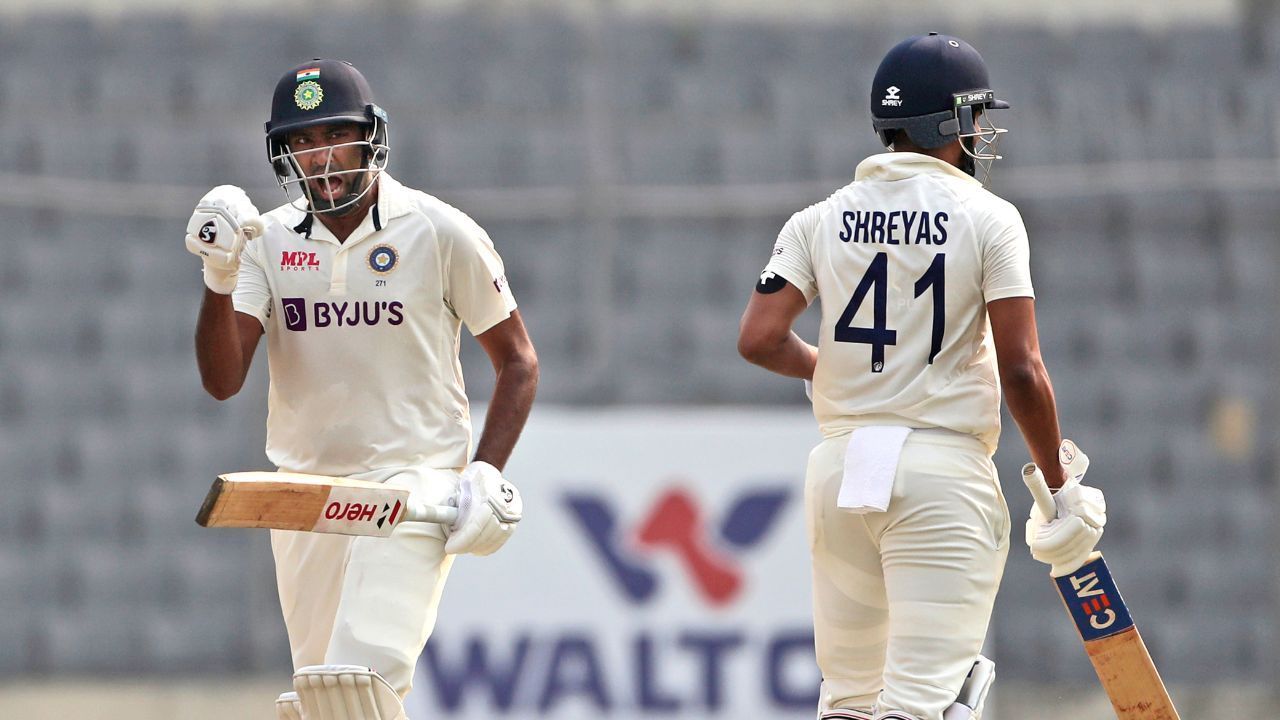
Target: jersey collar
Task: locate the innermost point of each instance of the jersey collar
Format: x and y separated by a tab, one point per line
393	199
890	166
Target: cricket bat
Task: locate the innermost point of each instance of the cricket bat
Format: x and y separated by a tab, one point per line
1111	638
313	503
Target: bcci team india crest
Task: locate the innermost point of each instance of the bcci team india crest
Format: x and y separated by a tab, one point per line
308	95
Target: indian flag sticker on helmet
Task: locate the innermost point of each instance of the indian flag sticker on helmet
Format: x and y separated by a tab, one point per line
309	74
308	95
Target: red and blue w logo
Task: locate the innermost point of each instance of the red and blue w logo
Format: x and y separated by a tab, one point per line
676	524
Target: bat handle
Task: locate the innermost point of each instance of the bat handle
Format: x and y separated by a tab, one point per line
1035	482
422	512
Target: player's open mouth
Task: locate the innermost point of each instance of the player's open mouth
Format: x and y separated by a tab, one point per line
330	188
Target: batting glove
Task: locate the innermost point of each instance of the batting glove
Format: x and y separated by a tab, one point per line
1066	541
224	219
488	509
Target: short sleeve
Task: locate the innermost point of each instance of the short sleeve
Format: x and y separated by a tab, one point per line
1006	256
252	295
477	291
792	257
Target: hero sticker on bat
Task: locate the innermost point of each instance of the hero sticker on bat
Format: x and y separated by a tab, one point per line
345	509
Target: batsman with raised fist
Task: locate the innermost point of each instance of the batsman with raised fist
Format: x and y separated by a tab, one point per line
361	286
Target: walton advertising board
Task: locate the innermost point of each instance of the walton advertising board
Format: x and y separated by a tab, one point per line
661	571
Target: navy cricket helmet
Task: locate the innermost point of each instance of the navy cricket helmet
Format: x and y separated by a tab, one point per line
320	92
935	88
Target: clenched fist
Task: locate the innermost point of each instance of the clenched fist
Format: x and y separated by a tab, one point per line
224	219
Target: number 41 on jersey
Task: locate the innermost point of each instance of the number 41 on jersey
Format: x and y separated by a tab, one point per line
879	335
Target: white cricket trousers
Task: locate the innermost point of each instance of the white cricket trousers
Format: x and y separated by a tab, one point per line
366	601
902	598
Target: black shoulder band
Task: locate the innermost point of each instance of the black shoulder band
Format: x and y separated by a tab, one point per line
770	282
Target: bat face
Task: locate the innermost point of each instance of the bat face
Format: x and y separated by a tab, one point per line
307	503
1115	648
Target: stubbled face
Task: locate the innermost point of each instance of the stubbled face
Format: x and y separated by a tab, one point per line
319	157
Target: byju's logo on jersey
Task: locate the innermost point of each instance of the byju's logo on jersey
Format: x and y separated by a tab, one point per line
295	313
298	260
675	524
350	313
891	98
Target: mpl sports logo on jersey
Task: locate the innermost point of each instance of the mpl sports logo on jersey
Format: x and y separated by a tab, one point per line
298	261
677	524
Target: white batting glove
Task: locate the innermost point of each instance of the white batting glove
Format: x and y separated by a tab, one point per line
224	219
488	509
1065	542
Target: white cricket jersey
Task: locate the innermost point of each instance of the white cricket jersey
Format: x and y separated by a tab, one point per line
362	336
904	260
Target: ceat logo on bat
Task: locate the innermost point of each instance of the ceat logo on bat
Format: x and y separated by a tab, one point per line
1094	601
676	523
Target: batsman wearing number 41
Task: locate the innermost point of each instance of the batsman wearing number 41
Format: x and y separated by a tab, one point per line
360	285
927	314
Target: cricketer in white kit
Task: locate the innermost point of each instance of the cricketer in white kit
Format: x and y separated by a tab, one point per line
361	286
927	313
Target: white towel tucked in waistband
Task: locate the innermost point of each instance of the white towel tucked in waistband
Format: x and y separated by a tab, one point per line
870	464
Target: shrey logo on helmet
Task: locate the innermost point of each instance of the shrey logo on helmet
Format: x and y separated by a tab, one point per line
950	93
301	101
